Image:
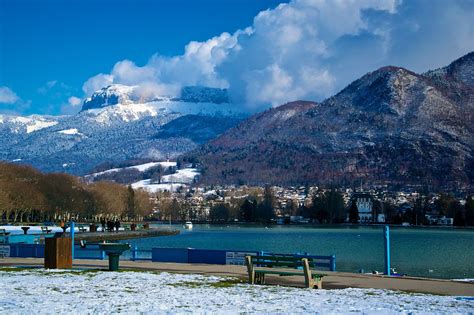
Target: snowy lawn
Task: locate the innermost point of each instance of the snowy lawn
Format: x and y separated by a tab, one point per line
38	291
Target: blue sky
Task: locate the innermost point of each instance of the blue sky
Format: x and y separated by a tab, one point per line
68	41
54	53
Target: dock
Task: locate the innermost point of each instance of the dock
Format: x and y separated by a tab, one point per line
96	237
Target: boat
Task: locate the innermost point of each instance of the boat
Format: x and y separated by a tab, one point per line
188	225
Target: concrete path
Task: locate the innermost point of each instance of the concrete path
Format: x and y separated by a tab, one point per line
333	280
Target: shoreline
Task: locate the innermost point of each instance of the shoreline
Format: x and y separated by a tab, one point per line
316	225
333	280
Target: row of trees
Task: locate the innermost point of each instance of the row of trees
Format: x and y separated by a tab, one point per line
329	207
250	209
27	195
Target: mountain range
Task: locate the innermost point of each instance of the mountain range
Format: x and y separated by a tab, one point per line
392	126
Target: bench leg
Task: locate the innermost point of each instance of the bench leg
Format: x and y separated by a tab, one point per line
319	283
260	278
251	272
308	279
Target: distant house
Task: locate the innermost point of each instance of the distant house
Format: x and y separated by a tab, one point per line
365	204
438	220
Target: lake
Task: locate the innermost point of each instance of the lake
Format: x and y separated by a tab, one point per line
426	252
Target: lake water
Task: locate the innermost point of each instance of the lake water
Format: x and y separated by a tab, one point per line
426	252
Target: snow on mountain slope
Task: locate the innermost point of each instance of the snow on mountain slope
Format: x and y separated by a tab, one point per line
183	176
72	131
153	188
167	178
29	124
141	168
39	124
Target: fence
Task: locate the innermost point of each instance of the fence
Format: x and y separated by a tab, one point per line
172	255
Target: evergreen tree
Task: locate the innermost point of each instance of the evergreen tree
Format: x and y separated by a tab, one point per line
265	210
469	211
376	210
319	209
247	210
335	206
353	212
219	213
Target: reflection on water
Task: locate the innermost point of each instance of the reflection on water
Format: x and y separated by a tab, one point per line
429	252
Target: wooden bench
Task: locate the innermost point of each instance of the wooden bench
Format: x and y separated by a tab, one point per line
259	266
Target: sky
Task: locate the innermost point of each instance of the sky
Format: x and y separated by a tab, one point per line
55	53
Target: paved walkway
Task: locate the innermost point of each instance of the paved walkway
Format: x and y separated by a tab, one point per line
334	280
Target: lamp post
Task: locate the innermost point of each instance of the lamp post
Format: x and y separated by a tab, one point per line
71	226
386	235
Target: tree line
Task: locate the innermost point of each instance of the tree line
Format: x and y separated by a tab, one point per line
329	207
27	195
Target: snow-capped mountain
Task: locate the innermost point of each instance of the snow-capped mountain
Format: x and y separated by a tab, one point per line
115	124
123	94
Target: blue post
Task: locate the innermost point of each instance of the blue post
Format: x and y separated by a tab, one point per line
102	255
134	253
71	226
333	263
386	235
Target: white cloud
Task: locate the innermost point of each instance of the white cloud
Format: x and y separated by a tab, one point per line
51	83
96	83
7	96
308	49
74	101
72	106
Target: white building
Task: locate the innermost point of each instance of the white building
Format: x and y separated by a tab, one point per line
365	204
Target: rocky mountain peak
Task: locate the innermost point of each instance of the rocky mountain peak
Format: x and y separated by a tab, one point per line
385	90
123	94
110	95
461	70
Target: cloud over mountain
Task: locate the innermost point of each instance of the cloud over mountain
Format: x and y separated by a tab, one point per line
7	96
308	49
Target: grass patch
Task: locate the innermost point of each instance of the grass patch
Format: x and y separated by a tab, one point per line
225	283
17	269
228	283
187	284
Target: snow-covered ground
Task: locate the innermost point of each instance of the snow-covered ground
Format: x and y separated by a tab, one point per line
88	292
153	188
183	176
72	131
169	182
140	168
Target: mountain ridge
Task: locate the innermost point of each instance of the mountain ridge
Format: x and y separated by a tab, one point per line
391	126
